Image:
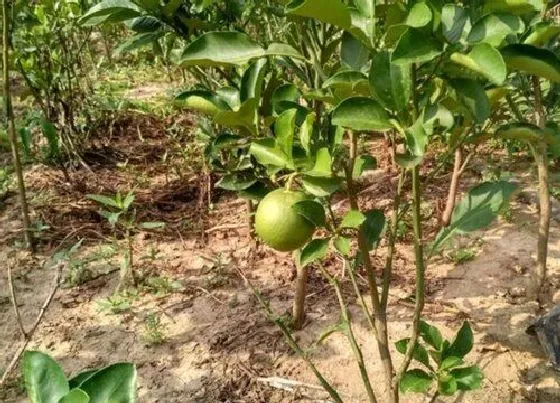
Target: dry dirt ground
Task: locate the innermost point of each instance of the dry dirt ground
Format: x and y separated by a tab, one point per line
217	343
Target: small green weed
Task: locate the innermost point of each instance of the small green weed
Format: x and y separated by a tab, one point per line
117	303
462	255
154	330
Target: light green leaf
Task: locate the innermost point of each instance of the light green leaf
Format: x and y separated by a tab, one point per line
203	101
346	84
306	132
44	380
353	219
313	251
484	59
532	60
494	28
323	163
152	225
419	15
390	82
98	13
454	20
543	33
320	186
284	128
518	7
104	200
75	396
311	211
342	245
469	378
416	46
415	380
252	80
336	13
476	210
447	385
416	138
363	163
360	113
451	362
245	116
268	153
113	384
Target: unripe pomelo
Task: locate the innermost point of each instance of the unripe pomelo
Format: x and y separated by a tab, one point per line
278	225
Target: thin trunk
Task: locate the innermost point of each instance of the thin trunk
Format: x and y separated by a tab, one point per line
452	195
541	157
298	311
382	335
11	128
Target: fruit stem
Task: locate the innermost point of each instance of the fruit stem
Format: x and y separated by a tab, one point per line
290	181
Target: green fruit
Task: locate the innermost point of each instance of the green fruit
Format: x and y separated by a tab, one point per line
278	225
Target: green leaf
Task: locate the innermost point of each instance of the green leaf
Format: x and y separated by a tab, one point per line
416	46
311	211
408	160
44	380
373	227
80	378
138	41
415	380
416	138
229	48
113	384
336	13
454	19
354	55
450	362
518	7
152	225
104	200
447	385
419	15
494	28
26	136
471	94
363	163
236	182
526	132
145	23
437	115
256	191
320	186
284	129
360	113
323	163
245	116
353	219
268	153
203	101
431	335
128	200
306	132
313	251
75	396
124	9
532	60
286	92
462	344
477	209
485	60
252	80
543	33
390	82
51	134
469	378
347	84
420	354
342	245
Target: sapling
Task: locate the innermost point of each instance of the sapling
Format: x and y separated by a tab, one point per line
121	215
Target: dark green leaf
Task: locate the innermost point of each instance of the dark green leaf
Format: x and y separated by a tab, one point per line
415	380
256	191
469	378
373	227
354	55
44	380
98	13
312	211
453	20
477	209
138	41
336	13
252	80
236	182
415	46
390	82
532	60
361	113
145	23
113	384
431	335
77	380
286	92
408	160
462	344
313	251
472	95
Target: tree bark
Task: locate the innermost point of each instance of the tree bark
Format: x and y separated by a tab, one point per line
10	125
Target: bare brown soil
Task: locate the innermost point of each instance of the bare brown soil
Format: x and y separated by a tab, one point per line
218	345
